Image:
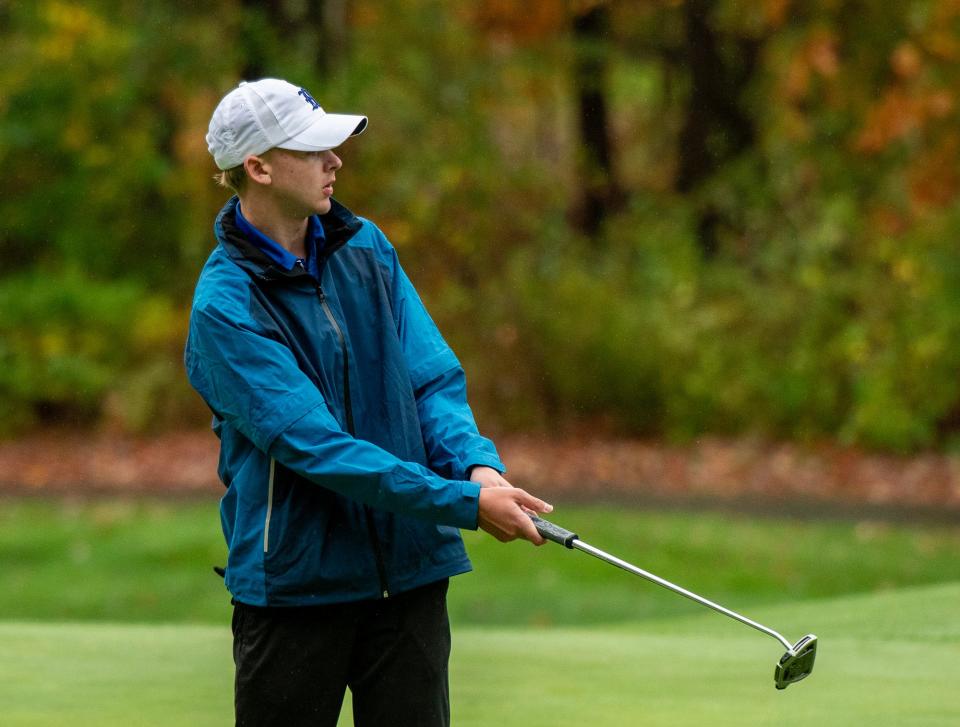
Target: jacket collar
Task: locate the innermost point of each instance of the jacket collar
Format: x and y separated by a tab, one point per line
339	225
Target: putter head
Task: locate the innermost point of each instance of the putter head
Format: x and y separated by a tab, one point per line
797	663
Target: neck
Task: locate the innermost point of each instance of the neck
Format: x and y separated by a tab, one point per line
286	231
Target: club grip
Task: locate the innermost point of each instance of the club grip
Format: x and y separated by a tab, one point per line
554	532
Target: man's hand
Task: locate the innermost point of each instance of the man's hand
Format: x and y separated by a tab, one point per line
488	477
503	513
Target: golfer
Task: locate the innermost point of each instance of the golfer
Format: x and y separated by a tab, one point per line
349	453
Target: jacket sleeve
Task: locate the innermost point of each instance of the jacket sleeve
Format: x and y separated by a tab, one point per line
252	382
450	434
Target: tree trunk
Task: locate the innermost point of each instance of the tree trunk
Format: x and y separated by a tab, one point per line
598	193
334	37
715	128
254	39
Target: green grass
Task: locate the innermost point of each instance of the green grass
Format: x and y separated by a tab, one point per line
150	561
885	659
114	560
735	560
881	597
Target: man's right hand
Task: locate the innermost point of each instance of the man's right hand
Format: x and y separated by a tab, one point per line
503	514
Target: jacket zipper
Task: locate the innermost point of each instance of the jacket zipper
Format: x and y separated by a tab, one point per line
266	525
348	407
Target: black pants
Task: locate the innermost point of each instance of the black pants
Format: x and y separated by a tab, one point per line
294	664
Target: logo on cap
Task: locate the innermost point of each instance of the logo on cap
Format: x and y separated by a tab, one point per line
308	98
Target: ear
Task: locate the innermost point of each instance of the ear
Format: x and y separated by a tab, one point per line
258	169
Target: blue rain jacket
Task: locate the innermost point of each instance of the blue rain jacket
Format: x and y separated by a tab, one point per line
345	434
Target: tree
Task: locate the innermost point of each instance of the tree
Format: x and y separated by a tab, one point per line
716	127
602	194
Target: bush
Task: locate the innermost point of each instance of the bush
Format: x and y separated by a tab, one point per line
68	344
837	333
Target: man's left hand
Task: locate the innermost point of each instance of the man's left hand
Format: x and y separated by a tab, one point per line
488	477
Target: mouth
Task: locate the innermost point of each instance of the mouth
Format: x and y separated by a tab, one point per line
328	188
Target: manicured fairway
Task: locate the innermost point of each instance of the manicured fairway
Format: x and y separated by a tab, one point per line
140	561
885	659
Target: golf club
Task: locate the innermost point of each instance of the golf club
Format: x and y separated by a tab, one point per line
794	665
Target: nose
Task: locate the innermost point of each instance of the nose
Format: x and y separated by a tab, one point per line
332	162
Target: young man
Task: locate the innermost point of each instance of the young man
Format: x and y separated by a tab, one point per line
348	449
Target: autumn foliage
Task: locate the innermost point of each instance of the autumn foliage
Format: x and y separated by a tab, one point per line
660	218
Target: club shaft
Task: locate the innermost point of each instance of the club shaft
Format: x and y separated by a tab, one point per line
612	560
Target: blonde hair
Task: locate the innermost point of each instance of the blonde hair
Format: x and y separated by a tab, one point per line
234	178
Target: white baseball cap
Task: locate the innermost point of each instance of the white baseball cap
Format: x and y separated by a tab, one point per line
269	113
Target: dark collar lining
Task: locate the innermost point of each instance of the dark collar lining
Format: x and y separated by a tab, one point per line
339	225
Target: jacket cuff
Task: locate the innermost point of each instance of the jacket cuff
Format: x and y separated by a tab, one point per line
468	509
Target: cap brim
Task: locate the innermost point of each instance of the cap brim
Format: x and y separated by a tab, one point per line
329	131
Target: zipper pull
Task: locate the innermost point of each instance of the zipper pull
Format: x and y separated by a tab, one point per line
323	296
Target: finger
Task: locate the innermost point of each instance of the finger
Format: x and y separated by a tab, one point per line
528	531
526	500
525	527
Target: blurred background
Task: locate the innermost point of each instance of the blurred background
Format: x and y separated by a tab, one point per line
699	259
651	219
